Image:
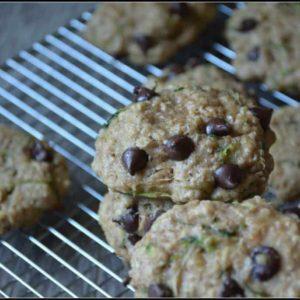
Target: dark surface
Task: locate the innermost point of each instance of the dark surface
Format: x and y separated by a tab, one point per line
25	23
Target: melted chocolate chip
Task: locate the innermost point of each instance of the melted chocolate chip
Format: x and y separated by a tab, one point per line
254	54
179	8
159	290
291	207
133	238
174	70
145	42
263	114
231	288
229	176
134	159
129	221
217	127
266	263
149	222
247	25
142	94
40	153
179	147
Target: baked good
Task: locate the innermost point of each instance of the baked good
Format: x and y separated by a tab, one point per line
33	179
188	142
267	43
204	74
147	32
286	174
214	249
125	219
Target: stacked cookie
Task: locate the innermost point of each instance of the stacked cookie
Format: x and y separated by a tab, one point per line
216	249
162	158
179	141
186	163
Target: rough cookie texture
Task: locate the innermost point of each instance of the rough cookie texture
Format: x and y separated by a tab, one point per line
201	75
213	249
125	219
181	142
286	153
33	178
267	43
147	32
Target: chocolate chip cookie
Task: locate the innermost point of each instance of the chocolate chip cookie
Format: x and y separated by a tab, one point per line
266	39
286	174
204	74
125	219
147	32
215	249
188	142
33	179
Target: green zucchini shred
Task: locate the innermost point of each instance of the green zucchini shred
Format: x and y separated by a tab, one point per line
207	244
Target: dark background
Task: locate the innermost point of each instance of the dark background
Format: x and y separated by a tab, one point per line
21	24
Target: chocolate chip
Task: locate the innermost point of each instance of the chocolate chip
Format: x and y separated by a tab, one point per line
174	70
247	25
179	147
179	8
291	207
254	54
40	153
159	290
119	55
142	94
145	42
149	222
193	62
231	288
229	176
134	159
263	114
266	263
126	280
129	221
217	127
133	238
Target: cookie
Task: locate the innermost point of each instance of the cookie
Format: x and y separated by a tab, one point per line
33	179
125	219
205	74
147	32
188	142
214	249
286	174
267	43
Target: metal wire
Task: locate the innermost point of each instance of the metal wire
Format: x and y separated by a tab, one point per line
62	90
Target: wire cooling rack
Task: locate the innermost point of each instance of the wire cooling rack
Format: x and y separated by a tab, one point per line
62	90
